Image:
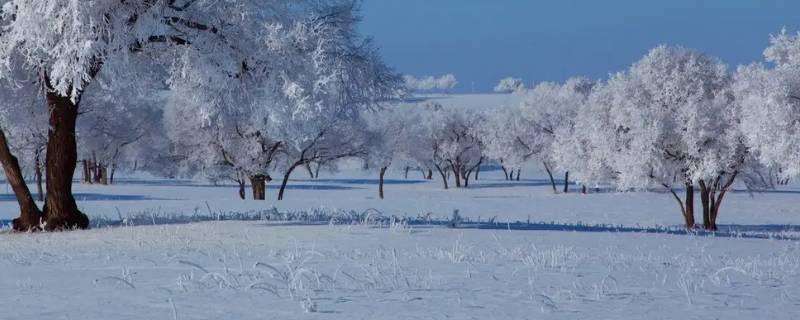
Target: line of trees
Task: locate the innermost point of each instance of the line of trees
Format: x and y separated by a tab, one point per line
203	88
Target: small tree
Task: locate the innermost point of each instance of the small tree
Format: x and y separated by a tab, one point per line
510	85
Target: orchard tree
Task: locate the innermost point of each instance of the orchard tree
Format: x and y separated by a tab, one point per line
672	120
549	110
501	133
386	142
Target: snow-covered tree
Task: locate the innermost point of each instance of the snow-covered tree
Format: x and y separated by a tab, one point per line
442	83
510	85
500	132
770	104
672	120
445	139
549	112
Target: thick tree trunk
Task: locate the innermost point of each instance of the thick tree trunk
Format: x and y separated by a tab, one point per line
705	201
583	189
566	182
550	174
380	182
456	168
37	172
259	183
30	215
60	210
104	175
286	180
87	173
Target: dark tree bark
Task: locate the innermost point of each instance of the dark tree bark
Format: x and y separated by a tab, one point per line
477	171
240	181
456	168
111	174
583	189
519	171
550	174
30	215
430	175
566	182
405	173
286	180
310	172
505	172
259	183
443	174
380	182
704	200
37	172
60	210
689	209
712	195
87	173
104	174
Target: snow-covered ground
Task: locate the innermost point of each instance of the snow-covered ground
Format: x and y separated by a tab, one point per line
269	270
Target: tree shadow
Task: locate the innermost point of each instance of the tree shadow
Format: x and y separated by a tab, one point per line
725	231
364	181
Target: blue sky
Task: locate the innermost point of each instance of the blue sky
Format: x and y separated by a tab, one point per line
481	41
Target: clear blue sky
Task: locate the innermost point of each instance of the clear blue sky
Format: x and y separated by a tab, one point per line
481	41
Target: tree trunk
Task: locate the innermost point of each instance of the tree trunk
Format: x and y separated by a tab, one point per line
444	176
316	171
310	172
704	199
60	210
430	175
477	171
583	189
259	183
241	183
37	172
380	182
457	173
104	175
405	174
87	173
550	174
519	170
111	174
566	182
30	215
505	172
286	180
689	206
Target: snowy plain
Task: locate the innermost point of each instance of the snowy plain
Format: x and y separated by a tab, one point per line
273	270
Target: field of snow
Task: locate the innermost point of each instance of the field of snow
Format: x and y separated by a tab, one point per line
357	270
